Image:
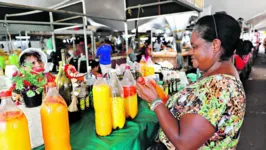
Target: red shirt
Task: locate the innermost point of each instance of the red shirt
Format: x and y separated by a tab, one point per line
241	63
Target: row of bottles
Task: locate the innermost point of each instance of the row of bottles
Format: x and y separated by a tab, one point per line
170	81
14	131
114	103
146	67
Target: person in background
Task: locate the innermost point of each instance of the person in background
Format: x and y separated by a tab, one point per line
95	68
243	54
144	51
37	58
32	57
209	113
80	48
131	54
157	45
104	52
264	45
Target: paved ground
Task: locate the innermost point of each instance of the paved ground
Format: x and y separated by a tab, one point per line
253	136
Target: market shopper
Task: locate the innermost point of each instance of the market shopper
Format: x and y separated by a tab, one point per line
95	68
104	52
243	54
145	50
209	113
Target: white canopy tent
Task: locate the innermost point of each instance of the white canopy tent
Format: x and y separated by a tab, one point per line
251	11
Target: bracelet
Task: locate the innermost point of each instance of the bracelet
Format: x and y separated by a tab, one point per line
155	103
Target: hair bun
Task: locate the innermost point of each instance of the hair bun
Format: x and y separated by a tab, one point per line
239	42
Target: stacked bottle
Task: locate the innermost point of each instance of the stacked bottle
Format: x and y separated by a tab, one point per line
130	94
102	107
54	117
118	106
142	65
149	69
14	131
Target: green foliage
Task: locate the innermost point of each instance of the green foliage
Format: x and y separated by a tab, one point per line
28	80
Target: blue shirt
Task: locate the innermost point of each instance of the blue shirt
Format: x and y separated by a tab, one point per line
104	52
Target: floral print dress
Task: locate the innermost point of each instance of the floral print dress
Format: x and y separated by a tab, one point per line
220	99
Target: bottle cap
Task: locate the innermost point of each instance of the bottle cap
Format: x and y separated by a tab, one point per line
5	94
160	82
51	84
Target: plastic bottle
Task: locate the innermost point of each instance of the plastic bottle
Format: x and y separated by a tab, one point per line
149	70
158	88
142	65
64	84
14	131
13	60
2	62
165	83
102	107
55	125
82	97
169	83
174	90
118	106
130	94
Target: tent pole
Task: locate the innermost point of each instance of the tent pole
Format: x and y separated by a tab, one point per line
151	4
126	37
85	35
92	44
151	41
37	22
52	27
12	5
20	39
57	6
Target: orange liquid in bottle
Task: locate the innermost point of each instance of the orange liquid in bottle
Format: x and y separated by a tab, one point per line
131	101
14	131
102	107
55	125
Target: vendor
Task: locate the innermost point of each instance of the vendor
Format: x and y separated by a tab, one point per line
157	45
207	114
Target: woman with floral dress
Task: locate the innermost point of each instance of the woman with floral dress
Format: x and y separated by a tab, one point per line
209	113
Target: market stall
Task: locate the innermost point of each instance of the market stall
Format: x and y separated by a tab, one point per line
137	133
78	100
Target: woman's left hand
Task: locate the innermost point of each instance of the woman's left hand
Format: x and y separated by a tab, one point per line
146	91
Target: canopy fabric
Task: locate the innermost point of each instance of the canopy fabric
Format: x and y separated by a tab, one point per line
251	11
137	134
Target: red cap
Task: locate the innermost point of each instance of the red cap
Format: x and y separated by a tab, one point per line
51	84
5	94
128	67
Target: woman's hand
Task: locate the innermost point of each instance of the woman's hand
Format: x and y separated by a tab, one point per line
145	90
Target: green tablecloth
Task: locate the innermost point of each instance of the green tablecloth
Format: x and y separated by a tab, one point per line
136	134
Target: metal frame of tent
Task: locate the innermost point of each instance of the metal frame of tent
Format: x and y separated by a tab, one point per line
164	7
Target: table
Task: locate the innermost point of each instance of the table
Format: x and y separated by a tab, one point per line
161	56
136	134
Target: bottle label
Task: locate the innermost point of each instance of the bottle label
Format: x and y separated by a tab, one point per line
82	104
87	102
166	90
174	86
